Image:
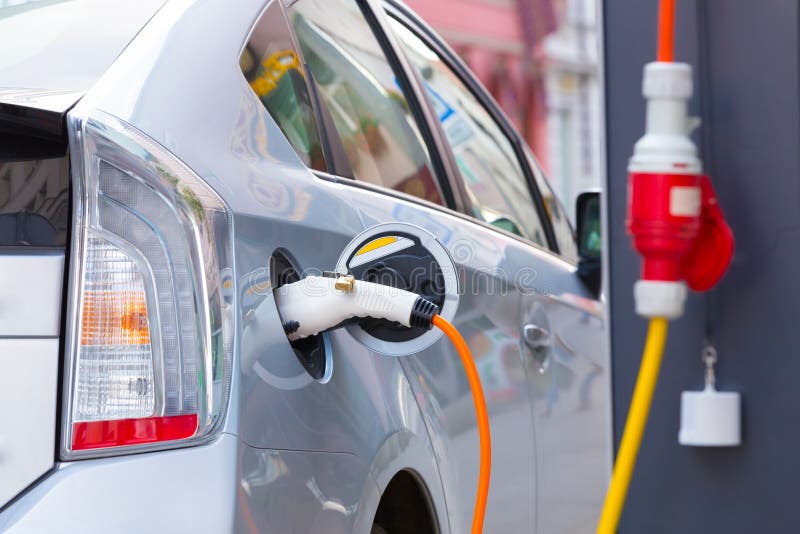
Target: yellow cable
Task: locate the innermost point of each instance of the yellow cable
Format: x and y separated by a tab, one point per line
634	426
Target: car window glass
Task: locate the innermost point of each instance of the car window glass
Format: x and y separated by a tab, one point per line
565	236
359	89
271	65
34	194
493	177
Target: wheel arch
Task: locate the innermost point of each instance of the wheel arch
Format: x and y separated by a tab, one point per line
406	506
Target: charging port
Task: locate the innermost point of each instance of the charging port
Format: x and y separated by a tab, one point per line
412	269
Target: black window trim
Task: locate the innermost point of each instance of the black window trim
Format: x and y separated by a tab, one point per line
438	142
413	97
411	21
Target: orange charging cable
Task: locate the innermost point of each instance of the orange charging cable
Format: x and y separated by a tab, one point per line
666	30
481	415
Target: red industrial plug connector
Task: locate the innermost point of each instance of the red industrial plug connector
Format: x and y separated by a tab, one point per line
673	215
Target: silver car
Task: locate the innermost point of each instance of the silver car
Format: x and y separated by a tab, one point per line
164	167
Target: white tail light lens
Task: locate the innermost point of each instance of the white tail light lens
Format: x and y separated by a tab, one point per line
150	325
115	356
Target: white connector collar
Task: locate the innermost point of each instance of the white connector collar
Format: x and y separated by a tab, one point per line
660	299
666	147
667	80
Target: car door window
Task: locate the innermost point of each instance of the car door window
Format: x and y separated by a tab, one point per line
370	114
565	236
271	64
494	179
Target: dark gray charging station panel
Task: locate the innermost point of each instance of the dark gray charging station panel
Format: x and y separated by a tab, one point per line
746	60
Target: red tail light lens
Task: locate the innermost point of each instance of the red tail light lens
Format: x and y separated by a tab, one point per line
120	432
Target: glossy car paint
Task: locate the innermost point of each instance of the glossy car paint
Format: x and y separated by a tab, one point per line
300	455
65	46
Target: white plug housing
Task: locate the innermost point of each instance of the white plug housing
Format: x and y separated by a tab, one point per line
666	147
710	418
316	305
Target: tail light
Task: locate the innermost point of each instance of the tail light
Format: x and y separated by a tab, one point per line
149	330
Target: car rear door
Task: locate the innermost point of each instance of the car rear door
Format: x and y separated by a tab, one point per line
34	219
560	327
383	163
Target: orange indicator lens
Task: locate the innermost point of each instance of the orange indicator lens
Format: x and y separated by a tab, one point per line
114	318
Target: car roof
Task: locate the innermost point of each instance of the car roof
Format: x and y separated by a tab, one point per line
66	45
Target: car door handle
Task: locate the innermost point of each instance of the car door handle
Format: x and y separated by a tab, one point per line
538	341
535	336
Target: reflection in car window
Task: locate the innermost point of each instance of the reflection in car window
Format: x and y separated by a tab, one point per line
34	199
565	236
272	67
493	177
360	91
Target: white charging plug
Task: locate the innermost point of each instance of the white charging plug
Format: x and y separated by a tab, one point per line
319	303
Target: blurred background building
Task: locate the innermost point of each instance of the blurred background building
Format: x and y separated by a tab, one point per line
540	60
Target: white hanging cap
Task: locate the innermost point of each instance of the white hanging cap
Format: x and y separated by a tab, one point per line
710	418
